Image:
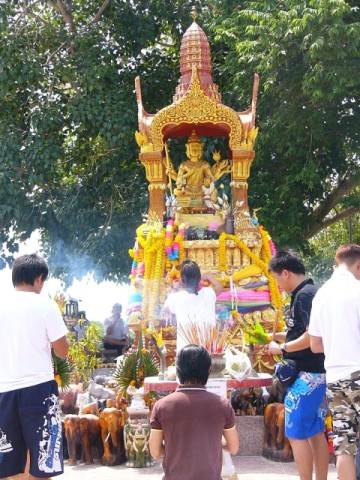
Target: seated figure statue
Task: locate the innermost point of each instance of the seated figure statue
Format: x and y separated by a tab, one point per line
193	173
195	178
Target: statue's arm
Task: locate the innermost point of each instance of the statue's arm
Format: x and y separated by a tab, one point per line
220	168
170	169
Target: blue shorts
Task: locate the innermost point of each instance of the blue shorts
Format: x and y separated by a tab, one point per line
305	406
30	419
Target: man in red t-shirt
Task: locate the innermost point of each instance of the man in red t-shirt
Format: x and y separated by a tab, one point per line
191	426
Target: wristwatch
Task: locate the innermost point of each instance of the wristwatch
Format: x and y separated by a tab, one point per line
283	347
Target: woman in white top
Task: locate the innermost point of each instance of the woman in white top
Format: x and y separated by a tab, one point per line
193	302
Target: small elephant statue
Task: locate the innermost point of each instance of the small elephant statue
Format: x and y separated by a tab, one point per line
111	422
276	445
82	433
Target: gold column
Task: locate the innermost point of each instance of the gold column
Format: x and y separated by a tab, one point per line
156	176
241	164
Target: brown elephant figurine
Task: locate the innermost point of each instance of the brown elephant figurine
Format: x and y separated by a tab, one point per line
111	422
82	432
90	433
276	445
92	408
73	438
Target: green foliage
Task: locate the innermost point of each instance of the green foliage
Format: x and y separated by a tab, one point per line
68	160
320	258
83	353
62	371
308	57
134	366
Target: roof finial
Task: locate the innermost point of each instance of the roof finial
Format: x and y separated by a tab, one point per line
193	13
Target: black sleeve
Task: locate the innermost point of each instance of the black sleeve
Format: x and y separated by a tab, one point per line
303	307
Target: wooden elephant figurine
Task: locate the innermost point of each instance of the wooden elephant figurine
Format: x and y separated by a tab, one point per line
82	433
90	434
276	445
111	422
73	439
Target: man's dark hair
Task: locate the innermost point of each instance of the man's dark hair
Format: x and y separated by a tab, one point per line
190	276
287	260
27	268
193	364
348	254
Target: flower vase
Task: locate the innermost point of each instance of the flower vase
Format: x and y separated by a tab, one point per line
229	224
217	365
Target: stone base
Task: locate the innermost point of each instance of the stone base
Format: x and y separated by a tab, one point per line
251	434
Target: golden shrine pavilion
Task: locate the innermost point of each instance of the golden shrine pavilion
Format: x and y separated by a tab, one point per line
190	214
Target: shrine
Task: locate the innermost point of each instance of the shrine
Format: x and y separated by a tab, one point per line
198	208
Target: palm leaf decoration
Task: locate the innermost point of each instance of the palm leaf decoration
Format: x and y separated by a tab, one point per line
135	365
62	371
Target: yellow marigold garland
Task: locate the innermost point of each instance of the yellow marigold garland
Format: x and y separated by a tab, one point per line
275	295
265	248
154	260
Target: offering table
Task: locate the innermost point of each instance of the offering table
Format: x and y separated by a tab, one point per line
153	384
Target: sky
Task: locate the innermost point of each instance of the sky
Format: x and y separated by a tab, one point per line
96	299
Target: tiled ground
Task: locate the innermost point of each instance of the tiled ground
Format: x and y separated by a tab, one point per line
249	468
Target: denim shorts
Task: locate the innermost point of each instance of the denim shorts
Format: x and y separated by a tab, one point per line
30	420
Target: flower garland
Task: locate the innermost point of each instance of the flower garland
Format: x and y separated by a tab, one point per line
275	295
172	249
156	285
136	254
266	253
154	266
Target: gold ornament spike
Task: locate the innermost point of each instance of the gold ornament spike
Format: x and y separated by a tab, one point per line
193	13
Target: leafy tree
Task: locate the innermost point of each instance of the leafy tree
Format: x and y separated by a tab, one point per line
307	55
320	258
68	160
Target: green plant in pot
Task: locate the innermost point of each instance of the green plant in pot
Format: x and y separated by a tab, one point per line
83	353
134	366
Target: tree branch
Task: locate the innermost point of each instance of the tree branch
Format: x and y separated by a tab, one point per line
344	187
100	11
330	221
60	7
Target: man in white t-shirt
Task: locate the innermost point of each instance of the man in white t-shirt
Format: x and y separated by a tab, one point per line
193	303
335	330
30	418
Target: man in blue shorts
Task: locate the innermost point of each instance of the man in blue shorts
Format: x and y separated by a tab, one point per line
305	404
335	329
30	324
